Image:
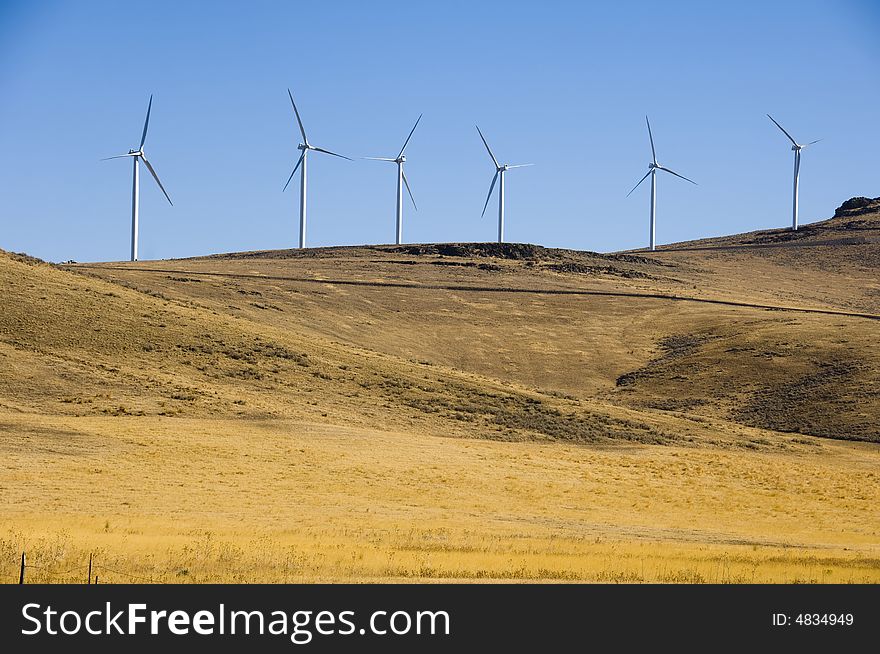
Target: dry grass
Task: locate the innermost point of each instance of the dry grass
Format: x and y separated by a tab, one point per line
447	412
199	501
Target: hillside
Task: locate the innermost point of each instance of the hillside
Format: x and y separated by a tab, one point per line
157	345
776	337
705	412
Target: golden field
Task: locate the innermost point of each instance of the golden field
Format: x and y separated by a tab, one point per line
705	413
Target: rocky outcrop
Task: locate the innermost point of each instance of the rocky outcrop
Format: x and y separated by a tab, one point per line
858	206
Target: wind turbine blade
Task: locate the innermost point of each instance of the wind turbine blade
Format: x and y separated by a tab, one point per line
651	136
790	138
118	156
521	165
637	185
491	188
294	170
812	142
380	159
410	136
146	123
494	160
298	119
682	176
156	177
341	156
406	183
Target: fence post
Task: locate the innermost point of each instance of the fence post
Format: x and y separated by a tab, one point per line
89	579
96	580
21	572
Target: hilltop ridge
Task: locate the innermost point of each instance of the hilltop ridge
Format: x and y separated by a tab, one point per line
617	333
549	335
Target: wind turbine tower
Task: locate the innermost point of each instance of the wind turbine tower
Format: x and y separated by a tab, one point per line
796	147
499	177
401	182
305	147
138	156
653	167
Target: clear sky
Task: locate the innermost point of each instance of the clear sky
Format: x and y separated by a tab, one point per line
563	85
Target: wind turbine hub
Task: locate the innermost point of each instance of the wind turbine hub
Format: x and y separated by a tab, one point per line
401	158
652	166
504	167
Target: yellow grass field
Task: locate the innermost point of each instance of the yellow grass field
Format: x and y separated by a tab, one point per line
429	413
201	501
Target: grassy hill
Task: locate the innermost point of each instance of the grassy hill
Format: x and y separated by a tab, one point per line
457	411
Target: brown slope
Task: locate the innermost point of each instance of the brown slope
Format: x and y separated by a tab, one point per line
831	264
598	328
77	345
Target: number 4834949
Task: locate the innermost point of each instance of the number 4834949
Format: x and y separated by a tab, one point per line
816	619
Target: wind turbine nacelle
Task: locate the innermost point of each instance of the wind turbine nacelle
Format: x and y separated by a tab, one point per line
401	158
796	147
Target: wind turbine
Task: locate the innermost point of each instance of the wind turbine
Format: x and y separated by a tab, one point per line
401	182
653	167
499	173
138	155
797	166
305	146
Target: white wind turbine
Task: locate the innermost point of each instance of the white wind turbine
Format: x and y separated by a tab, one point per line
401	182
499	173
653	167
138	155
797	166
305	146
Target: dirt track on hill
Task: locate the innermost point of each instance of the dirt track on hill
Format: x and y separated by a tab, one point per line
488	289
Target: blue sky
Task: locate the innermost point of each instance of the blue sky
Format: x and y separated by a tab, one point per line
564	85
